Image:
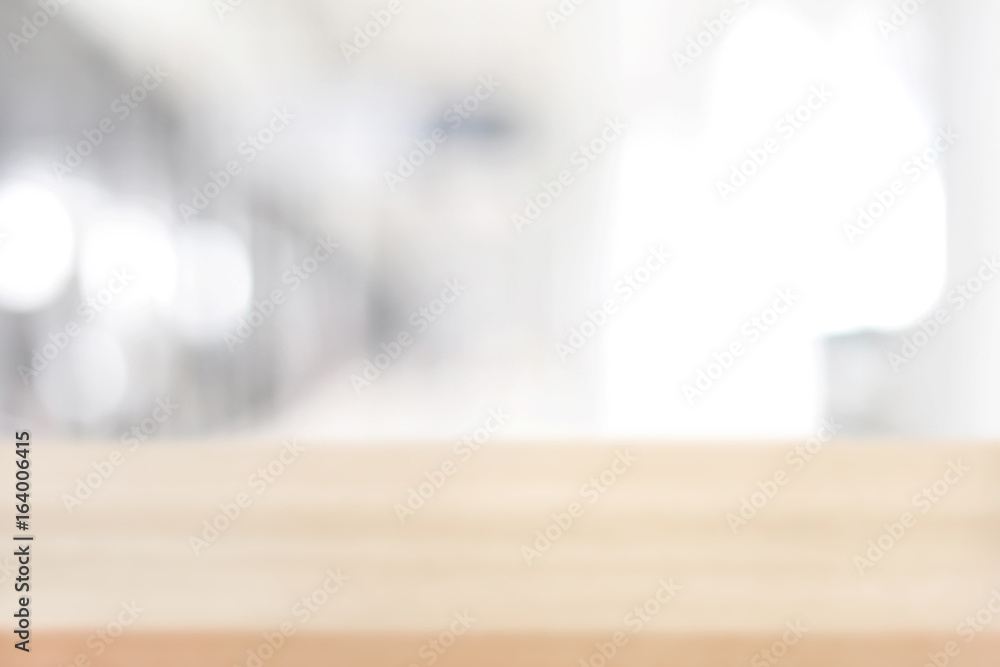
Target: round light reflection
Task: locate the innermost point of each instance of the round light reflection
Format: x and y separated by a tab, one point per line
36	246
128	267
214	282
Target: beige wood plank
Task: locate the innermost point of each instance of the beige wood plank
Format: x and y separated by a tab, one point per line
662	519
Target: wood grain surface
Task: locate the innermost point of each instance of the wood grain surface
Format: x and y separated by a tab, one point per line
330	511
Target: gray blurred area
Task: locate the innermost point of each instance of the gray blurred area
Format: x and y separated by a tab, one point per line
263	137
321	178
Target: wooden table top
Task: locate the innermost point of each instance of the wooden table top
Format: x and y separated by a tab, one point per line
653	553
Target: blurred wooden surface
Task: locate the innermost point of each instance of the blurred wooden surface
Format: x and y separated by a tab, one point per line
663	519
512	650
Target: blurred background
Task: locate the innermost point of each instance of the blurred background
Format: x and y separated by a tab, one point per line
684	219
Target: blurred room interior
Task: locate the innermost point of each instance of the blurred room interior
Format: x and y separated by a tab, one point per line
205	258
718	228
